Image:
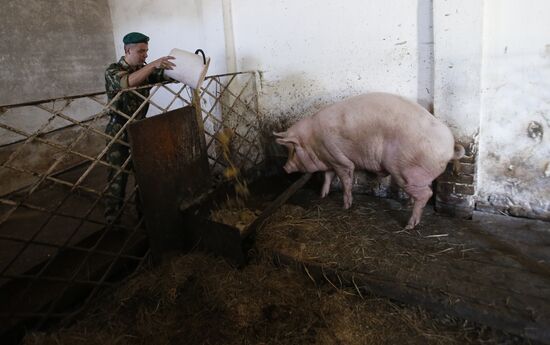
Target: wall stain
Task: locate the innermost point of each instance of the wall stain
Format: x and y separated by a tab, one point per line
535	131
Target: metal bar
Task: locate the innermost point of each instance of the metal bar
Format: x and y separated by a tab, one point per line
29	138
177	95
57	279
221	93
67	247
89	252
246	105
222	123
57	146
32	315
98	93
228	74
83	125
78	123
246	143
17	105
67	241
254	111
91	94
42	178
63	182
273	206
109	105
84	261
150	101
85	174
111	266
36	233
145	259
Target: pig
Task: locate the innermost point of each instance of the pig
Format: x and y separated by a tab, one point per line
382	133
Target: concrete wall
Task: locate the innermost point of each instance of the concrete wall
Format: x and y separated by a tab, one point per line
315	52
514	167
482	66
458	41
183	24
310	52
53	48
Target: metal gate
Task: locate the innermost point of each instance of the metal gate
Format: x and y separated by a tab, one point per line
56	249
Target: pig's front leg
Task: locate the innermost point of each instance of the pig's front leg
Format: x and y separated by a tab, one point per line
329	175
346	177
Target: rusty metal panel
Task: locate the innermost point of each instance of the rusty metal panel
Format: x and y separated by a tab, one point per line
171	165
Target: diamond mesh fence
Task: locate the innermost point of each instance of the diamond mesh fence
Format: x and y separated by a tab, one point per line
56	248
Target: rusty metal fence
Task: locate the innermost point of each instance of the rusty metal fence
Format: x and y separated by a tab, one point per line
56	249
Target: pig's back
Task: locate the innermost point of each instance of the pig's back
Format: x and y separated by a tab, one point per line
389	129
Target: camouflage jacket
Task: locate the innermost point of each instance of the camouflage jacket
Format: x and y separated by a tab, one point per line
116	79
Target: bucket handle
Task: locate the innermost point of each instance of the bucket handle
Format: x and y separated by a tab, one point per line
203	57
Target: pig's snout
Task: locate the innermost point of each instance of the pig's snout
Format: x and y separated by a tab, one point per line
287	169
290	168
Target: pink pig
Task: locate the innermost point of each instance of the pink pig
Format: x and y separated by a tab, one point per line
377	132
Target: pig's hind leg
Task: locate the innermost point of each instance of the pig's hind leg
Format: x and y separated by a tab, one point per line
421	195
418	186
329	175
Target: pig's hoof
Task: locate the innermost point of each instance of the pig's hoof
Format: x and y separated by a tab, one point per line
409	227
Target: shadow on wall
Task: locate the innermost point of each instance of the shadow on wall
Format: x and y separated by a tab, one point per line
294	96
289	100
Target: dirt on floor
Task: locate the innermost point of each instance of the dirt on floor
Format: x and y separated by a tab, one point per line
200	299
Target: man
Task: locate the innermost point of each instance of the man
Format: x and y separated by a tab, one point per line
130	71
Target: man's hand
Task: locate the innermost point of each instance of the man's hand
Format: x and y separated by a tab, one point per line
164	62
139	76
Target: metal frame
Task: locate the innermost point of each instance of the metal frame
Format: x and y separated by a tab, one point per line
227	100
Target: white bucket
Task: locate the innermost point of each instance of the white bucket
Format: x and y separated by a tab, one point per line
190	68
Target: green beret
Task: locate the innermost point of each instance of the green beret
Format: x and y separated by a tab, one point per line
135	37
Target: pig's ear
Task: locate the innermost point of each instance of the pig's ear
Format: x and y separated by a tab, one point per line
288	142
282	138
280	134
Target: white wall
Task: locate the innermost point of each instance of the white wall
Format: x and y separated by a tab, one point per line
458	26
183	24
313	52
514	169
482	65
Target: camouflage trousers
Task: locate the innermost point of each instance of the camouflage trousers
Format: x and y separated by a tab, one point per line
116	155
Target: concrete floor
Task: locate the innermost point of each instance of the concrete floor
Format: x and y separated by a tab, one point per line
493	269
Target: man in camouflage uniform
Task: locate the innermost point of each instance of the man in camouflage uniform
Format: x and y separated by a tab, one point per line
130	71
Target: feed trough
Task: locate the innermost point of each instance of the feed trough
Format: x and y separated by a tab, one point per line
178	196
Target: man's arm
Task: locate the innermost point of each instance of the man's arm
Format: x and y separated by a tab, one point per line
138	77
